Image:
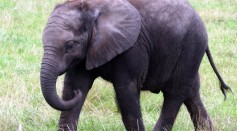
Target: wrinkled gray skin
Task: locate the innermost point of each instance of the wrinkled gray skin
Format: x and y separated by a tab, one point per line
154	45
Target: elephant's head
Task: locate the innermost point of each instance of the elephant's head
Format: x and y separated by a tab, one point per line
91	31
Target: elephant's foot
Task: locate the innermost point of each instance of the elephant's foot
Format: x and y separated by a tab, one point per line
68	121
203	124
68	127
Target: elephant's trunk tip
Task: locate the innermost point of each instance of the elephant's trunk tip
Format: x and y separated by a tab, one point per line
73	101
67	105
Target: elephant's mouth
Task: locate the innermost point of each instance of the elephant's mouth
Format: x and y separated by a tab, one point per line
70	65
61	73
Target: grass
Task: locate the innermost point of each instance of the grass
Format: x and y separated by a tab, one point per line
22	106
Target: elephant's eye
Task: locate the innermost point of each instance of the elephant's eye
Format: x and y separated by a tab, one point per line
70	45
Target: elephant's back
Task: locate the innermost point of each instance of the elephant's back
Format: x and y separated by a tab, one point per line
173	16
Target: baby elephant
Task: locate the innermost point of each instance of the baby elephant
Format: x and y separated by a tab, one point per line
154	45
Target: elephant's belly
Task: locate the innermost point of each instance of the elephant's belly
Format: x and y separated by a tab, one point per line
159	74
152	84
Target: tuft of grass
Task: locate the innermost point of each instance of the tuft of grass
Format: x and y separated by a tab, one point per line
23	107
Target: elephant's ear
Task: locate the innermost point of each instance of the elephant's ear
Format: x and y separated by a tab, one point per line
115	31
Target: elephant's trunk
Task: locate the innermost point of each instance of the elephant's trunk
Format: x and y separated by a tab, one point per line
48	79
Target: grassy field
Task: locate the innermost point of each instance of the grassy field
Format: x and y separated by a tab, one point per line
22	106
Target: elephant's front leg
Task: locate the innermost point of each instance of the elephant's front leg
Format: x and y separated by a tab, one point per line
127	95
74	80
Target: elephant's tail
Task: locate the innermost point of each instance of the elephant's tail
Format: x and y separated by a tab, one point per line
224	87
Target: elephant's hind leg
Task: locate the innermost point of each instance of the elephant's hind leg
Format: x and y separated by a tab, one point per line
196	108
179	86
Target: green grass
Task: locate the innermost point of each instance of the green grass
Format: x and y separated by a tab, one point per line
23	106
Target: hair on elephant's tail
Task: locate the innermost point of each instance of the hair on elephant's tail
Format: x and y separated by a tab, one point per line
223	85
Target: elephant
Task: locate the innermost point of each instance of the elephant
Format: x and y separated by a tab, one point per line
137	45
